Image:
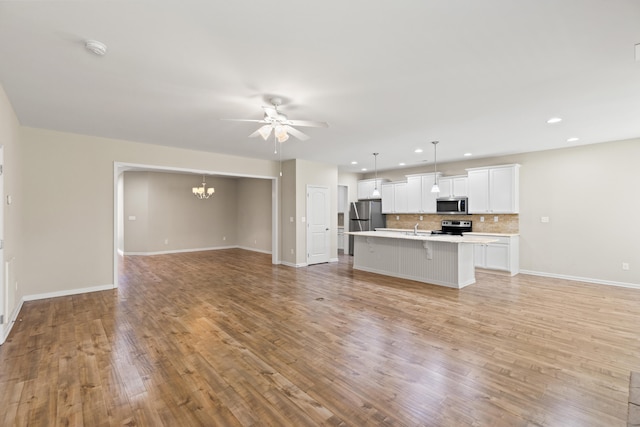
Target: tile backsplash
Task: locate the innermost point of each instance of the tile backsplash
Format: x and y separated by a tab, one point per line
507	223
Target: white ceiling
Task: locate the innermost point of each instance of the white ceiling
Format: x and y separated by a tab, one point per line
389	77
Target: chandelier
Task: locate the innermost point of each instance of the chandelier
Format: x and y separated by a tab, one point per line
203	192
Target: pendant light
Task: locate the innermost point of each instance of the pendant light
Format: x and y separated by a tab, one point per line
435	188
376	192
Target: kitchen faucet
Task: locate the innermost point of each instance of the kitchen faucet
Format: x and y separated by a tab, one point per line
415	229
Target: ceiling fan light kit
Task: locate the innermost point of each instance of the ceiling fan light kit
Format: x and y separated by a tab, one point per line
279	123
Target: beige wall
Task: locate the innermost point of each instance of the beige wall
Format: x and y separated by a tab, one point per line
13	213
60	227
289	219
254	219
69	228
168	218
578	188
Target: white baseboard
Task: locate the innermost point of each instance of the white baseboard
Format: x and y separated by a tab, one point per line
294	265
179	251
581	279
333	259
253	249
6	328
67	292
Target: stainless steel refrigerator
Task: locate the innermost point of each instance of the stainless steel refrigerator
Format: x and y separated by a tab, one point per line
365	215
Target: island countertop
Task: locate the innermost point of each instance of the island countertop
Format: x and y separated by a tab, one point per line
423	236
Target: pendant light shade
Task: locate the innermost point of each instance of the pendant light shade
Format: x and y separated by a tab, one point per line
435	188
376	192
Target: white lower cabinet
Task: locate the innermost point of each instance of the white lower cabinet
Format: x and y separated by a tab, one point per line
500	255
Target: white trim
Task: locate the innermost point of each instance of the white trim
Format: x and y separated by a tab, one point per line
290	264
6	328
254	250
333	259
68	292
179	251
581	279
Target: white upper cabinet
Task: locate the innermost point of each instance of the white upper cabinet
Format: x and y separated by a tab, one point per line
366	187
420	199
453	186
394	197
494	189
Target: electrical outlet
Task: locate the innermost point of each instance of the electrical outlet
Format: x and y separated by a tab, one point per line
421	217
625	266
224	237
495	219
166	241
397	217
481	219
290	219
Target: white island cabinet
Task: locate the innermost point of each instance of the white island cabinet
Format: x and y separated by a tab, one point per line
502	254
439	260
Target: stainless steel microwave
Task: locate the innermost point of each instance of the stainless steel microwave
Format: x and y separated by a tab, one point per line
452	205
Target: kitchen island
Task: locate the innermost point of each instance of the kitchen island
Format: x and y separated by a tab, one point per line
437	259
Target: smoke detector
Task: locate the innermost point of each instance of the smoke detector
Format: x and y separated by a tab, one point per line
95	47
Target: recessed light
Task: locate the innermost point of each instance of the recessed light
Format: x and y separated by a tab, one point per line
418	150
401	164
467	154
354	163
553	120
573	139
363	169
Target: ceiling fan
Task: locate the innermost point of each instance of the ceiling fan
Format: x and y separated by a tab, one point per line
280	124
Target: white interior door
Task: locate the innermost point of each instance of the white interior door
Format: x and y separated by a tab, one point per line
318	237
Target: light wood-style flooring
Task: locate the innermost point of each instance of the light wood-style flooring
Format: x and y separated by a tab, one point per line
224	338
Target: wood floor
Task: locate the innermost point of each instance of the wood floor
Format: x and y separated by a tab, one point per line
224	338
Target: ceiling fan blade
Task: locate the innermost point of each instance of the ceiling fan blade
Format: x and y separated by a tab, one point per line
244	120
308	123
295	132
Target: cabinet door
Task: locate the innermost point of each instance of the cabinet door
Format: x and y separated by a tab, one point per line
501	190
478	255
388	198
459	186
478	186
497	256
428	198
365	189
414	194
400	198
446	187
